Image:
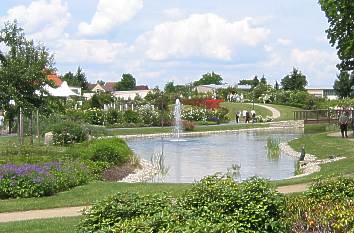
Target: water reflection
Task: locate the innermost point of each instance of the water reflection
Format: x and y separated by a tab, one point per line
242	154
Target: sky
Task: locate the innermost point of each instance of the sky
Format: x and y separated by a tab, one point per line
158	41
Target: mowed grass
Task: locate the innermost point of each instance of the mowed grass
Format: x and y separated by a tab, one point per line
286	112
234	107
86	195
324	146
53	225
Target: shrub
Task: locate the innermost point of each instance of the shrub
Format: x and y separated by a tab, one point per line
94	116
30	180
68	133
113	150
114	117
149	115
131	116
327	207
188	125
213	205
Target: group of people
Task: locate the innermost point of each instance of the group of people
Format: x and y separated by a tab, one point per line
344	121
247	116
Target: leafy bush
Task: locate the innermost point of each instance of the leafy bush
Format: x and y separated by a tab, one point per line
94	116
188	125
131	116
149	115
327	207
30	180
213	205
113	150
114	117
68	133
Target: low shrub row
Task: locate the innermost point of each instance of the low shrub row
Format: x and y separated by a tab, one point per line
214	204
28	180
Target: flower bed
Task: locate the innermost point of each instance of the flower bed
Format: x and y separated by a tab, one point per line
29	180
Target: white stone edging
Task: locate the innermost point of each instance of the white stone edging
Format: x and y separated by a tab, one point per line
141	174
310	164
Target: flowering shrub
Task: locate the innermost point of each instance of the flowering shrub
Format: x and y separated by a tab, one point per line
68	133
94	116
30	180
194	114
327	207
207	103
131	116
149	115
261	119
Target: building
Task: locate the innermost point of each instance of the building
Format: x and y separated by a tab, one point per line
327	93
57	82
211	88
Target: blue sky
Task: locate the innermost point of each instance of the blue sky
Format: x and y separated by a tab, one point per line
160	41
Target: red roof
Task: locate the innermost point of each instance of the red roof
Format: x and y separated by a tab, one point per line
110	86
55	79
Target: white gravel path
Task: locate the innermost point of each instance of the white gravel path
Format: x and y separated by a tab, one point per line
275	112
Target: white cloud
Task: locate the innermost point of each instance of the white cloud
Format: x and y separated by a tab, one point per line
284	41
174	13
313	58
91	51
200	35
43	20
109	14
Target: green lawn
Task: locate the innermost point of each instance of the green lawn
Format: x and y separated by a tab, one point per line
286	112
86	195
324	146
53	225
234	107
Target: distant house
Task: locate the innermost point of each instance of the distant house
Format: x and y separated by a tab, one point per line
320	92
57	82
211	88
126	95
110	86
244	87
96	88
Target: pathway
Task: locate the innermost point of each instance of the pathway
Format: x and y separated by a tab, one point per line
275	112
77	211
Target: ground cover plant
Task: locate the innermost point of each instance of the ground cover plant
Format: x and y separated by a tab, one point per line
214	204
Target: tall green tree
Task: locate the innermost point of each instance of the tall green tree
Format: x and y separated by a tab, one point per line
343	85
263	80
77	80
340	14
294	81
276	86
255	81
127	83
23	73
209	78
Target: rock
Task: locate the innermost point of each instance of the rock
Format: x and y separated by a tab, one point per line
48	138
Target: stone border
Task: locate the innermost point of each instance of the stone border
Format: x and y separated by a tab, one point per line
141	174
310	165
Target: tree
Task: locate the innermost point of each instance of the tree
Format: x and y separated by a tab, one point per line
170	88
209	78
23	71
263	80
255	81
127	83
77	80
101	82
343	85
294	81
340	14
276	86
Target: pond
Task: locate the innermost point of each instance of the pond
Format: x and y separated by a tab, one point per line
242	154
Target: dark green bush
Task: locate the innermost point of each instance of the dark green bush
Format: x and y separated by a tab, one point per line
213	205
68	133
131	116
113	150
114	117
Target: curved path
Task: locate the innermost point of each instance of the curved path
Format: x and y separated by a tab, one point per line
77	211
275	112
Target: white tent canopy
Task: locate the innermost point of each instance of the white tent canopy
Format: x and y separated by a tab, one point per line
62	91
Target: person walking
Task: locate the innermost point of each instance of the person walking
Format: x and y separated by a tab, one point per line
237	117
343	123
247	117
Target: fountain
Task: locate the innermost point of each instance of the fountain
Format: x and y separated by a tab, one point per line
178	121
